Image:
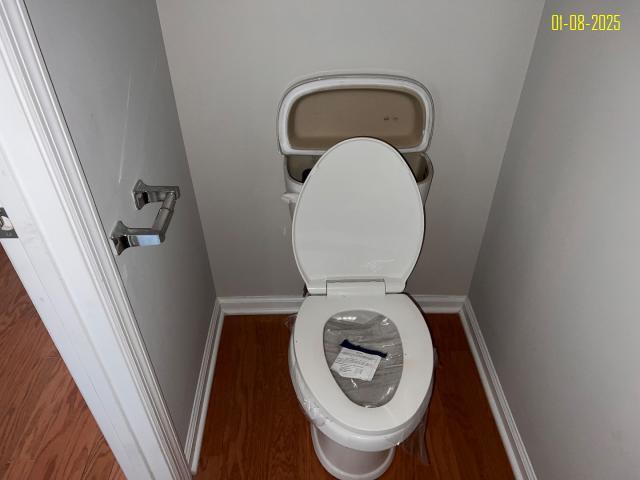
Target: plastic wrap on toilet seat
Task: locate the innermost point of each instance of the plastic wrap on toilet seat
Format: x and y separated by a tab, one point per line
377	337
415	444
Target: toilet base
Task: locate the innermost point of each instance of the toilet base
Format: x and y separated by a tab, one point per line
346	463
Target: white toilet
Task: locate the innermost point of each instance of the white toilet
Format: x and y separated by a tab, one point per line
358	227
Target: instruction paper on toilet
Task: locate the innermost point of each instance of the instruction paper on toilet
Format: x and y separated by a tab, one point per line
354	364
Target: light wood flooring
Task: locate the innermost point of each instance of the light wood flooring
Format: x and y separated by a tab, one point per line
46	429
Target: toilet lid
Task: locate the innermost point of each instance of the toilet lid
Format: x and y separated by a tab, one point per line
359	217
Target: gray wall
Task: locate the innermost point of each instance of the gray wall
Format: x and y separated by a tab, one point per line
231	61
108	67
559	271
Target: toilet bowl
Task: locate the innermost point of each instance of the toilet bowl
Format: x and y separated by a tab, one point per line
356	239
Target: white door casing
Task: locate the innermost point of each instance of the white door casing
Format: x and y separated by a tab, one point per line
67	265
108	68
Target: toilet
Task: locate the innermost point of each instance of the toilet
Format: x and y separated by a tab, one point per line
357	231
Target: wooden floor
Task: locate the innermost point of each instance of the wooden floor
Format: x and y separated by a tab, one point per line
255	428
46	429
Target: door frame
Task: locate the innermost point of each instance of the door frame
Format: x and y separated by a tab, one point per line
67	266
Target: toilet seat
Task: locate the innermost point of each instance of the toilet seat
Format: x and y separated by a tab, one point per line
407	405
357	233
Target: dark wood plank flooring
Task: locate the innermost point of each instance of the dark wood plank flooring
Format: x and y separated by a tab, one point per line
46	429
255	428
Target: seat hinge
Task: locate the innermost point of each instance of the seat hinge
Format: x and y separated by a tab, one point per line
356	287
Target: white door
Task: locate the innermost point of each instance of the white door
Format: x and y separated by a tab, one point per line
107	63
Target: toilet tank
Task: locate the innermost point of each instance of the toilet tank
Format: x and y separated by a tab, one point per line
317	113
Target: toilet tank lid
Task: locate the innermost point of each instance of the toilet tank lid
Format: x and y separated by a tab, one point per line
317	113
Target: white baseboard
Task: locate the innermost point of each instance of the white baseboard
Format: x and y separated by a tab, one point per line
516	451
440	303
290	304
260	305
203	389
